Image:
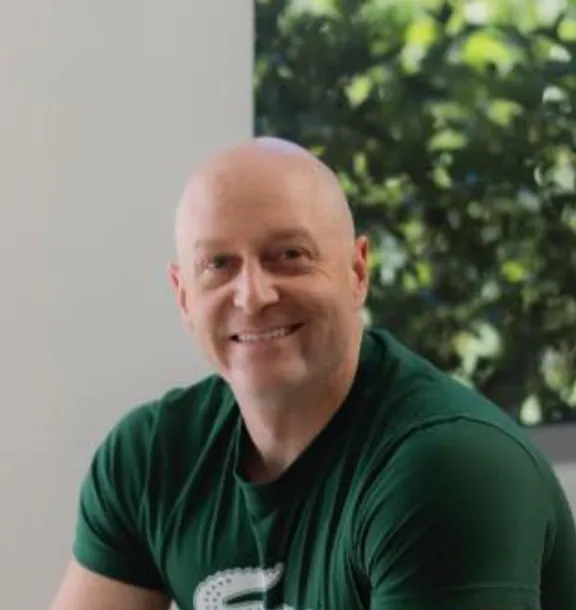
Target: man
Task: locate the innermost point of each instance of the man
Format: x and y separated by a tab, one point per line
325	466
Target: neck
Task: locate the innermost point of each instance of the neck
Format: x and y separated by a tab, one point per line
281	427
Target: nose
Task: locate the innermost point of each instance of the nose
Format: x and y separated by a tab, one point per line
254	290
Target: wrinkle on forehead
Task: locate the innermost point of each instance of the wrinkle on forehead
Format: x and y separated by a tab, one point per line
271	166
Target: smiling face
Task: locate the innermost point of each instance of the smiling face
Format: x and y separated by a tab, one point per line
270	277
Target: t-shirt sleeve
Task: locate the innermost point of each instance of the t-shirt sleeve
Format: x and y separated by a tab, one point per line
457	520
109	538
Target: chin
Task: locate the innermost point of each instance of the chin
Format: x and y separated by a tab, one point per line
269	381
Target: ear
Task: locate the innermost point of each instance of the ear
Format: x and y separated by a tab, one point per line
177	285
361	268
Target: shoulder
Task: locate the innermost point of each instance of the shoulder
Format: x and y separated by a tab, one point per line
463	477
469	450
180	416
459	506
176	407
428	420
412	394
448	456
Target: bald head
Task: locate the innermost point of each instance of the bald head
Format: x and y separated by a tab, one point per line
266	241
262	172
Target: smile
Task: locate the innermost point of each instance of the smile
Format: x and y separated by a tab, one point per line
269	335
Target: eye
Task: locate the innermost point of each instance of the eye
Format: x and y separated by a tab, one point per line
216	263
292	254
289	258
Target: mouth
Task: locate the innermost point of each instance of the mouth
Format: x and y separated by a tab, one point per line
270	335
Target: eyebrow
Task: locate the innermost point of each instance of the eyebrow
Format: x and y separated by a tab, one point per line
297	233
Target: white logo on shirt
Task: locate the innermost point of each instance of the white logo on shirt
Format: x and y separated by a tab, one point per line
218	591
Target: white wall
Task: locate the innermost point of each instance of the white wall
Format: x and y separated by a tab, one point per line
567	475
104	109
559	444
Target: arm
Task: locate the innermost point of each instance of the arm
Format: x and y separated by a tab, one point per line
85	590
113	565
458	519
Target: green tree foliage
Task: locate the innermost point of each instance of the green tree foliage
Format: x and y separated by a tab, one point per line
452	129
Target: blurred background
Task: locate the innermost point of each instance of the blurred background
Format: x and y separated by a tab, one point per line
452	128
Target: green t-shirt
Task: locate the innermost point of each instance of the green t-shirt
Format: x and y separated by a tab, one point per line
418	495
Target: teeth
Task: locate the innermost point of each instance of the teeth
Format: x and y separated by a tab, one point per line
267	336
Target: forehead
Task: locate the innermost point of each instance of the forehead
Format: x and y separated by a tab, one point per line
254	206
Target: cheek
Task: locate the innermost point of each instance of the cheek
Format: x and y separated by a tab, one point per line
208	314
328	301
